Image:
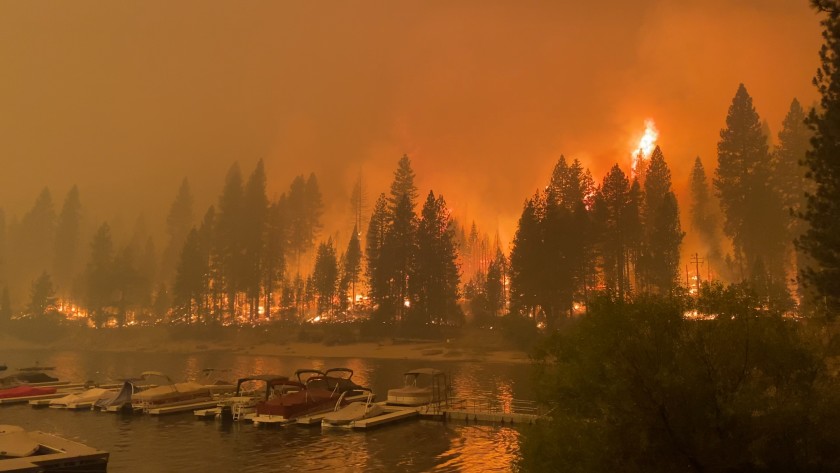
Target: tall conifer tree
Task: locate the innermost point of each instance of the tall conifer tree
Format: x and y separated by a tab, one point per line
752	209
822	240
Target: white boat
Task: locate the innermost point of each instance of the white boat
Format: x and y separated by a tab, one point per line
83	399
116	400
421	386
169	393
345	416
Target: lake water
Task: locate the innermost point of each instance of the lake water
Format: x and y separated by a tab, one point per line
182	443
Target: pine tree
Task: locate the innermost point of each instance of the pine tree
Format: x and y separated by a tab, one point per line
228	238
358	202
325	277
402	185
399	249
67	236
42	296
822	240
494	284
254	216
615	216
790	181
274	262
179	221
189	283
704	217
33	241
752	209
526	258
353	262
304	211
435	278
378	262
99	275
663	234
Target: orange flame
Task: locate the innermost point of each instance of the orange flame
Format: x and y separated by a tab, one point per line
647	144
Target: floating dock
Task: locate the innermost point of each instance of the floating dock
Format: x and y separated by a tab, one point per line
513	411
182	407
391	414
23	399
57	454
208	413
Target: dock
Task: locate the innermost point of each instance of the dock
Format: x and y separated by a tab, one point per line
514	411
391	414
23	399
57	454
182	407
208	413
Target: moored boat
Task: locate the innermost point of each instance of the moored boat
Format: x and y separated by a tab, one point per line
169	394
421	386
26	391
26	377
251	390
345	416
319	393
121	398
84	399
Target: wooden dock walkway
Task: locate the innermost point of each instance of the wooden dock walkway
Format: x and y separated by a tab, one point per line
182	407
513	411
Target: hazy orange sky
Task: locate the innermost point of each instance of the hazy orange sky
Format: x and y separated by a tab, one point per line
127	98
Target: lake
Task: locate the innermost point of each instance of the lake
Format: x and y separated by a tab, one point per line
182	443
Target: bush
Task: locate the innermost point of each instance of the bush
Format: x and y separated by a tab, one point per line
637	387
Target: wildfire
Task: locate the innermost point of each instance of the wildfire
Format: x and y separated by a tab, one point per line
646	144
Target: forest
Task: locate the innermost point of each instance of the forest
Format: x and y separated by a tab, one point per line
248	260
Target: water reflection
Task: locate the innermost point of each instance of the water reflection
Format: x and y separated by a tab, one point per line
184	444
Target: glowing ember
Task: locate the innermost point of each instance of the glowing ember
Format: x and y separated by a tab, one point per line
646	144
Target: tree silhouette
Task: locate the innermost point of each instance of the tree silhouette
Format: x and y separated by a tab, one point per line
99	275
325	277
67	239
435	278
752	209
822	240
179	222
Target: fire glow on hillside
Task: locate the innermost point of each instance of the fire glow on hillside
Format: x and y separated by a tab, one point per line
647	143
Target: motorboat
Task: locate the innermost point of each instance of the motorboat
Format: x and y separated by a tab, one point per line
83	399
421	386
27	377
121	398
318	392
251	390
26	391
345	415
169	393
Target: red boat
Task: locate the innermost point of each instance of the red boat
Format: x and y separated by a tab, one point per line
317	393
22	391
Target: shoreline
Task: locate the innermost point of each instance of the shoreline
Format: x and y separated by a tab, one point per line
451	350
